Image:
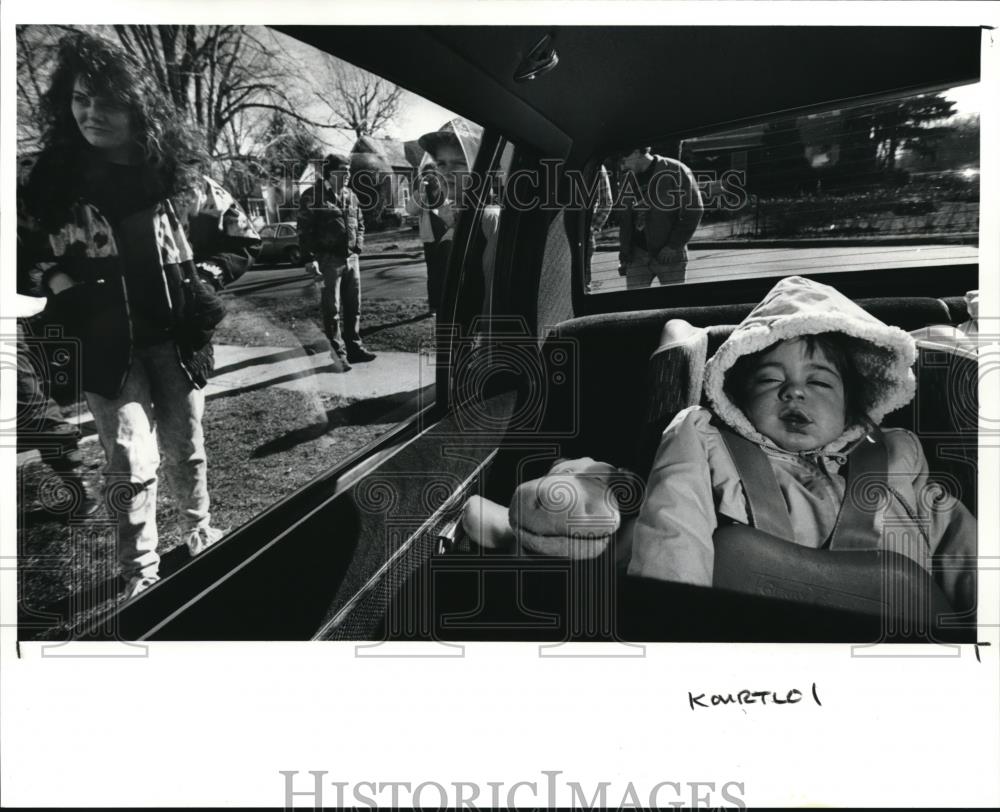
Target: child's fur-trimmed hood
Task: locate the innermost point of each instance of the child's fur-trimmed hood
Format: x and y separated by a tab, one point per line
797	307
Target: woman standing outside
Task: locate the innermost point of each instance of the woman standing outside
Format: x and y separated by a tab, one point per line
104	218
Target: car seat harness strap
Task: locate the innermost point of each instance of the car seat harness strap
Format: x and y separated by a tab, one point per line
857	526
765	504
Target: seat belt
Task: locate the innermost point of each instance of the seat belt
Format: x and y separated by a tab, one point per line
765	504
867	486
855	528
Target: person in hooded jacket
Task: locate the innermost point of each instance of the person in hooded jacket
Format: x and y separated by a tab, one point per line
806	378
423	203
453	149
103	233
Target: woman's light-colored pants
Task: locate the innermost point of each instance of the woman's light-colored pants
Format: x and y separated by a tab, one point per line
158	401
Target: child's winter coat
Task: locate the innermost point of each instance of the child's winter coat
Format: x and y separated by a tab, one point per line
694	484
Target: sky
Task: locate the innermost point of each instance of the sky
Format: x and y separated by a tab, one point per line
416	117
967	98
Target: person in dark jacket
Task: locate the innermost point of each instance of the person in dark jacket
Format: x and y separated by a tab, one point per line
662	210
331	227
104	220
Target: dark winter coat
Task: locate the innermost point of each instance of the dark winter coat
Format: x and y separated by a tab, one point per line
94	308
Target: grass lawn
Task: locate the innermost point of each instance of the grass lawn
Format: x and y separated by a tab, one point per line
282	321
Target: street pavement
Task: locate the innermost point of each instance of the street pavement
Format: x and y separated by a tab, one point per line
731	264
403	277
396	276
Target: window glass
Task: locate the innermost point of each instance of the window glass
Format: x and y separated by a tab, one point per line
281	406
880	185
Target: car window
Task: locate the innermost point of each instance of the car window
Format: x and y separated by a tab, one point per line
876	185
281	406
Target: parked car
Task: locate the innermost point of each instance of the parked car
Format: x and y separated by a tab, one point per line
280	243
542	368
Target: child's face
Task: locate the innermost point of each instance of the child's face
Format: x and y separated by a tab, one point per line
795	399
451	163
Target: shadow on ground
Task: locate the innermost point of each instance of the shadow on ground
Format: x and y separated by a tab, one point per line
386	409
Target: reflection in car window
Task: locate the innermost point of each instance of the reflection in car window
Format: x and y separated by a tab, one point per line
280	408
878	185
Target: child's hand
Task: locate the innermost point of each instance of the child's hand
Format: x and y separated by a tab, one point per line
570	512
485	522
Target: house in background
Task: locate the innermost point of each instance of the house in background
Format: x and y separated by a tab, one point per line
389	158
403	171
281	195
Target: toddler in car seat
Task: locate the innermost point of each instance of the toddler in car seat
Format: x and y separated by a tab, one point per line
797	393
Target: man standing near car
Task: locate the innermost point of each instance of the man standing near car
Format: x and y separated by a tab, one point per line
331	227
662	210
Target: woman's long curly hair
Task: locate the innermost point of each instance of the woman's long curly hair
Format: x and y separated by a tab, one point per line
170	151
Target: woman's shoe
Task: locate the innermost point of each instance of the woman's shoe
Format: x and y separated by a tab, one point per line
137	585
201	538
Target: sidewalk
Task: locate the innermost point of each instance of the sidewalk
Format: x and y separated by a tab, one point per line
244	369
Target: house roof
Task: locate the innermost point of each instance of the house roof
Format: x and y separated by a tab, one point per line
395	153
414	152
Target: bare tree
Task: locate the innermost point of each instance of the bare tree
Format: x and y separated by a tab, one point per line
36	50
359	100
219	75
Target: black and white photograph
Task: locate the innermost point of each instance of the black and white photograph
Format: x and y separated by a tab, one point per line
640	356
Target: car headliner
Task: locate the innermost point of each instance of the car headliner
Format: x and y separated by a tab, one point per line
644	82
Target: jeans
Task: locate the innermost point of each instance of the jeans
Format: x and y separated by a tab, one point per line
644	266
158	402
340	303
